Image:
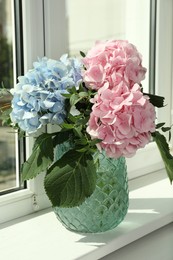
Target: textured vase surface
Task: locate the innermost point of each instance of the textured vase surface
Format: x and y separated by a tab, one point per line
107	206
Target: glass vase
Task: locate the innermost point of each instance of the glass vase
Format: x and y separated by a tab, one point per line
107	206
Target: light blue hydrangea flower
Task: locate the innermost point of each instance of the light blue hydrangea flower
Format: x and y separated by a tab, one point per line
37	98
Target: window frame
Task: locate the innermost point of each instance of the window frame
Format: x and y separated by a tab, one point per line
40	38
149	159
26	200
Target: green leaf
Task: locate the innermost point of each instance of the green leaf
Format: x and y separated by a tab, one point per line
63	141
40	159
83	149
72	118
82	54
165	153
159	125
83	94
74	99
82	87
169	138
78	131
67	126
81	141
71	179
66	95
5	116
72	90
62	137
4	91
157	101
165	129
82	121
95	141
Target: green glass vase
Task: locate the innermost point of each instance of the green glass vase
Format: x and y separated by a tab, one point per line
107	206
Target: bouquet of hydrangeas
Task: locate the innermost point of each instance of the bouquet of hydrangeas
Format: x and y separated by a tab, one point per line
99	105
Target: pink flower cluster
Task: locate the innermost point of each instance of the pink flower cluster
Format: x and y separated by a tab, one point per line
112	62
122	117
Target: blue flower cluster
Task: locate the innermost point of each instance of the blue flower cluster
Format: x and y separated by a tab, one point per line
37	98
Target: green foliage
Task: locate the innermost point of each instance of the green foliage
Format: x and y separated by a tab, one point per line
5	116
165	153
6	61
5	106
41	157
71	171
157	101
159	125
82	54
165	129
62	137
71	179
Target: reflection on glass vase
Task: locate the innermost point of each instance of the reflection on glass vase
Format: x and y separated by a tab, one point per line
107	206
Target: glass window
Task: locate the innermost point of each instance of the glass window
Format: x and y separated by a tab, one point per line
9	151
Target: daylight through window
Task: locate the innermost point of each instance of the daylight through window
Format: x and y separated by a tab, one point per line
9	174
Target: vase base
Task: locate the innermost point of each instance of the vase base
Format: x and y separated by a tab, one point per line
106	208
93	219
85	229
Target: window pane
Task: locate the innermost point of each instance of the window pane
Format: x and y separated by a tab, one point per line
8	139
102	20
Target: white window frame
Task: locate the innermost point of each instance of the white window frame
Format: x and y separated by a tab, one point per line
26	201
147	160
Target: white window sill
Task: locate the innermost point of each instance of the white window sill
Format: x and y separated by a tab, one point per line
41	236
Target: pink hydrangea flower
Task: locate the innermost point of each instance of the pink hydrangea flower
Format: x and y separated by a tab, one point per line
122	118
112	62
